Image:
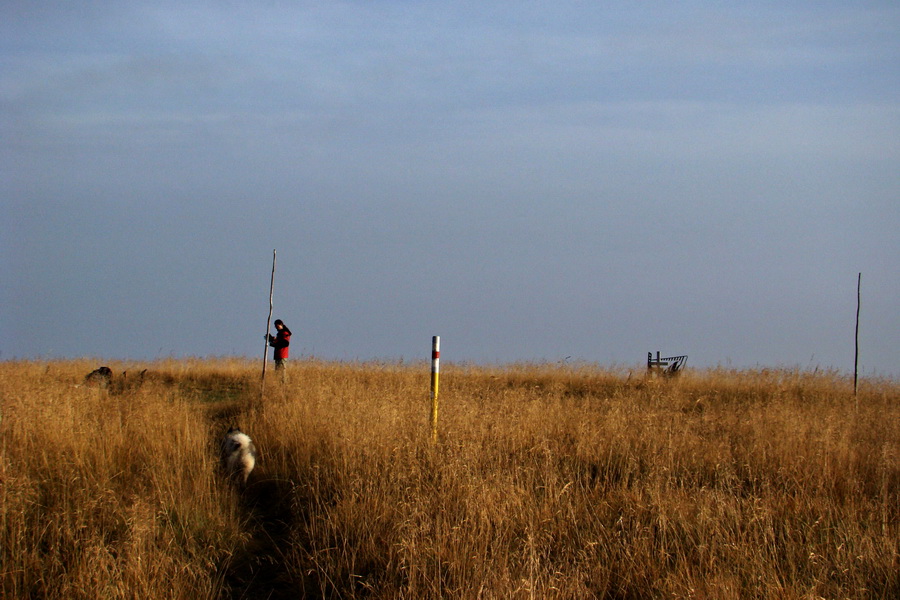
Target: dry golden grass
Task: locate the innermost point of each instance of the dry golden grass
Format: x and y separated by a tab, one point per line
546	482
107	495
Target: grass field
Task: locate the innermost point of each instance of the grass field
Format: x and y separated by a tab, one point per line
546	481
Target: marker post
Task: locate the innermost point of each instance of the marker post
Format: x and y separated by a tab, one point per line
435	373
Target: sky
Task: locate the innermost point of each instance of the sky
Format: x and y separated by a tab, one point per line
531	181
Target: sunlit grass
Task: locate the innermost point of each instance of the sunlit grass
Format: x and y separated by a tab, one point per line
546	481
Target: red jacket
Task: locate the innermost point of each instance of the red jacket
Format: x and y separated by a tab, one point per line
280	343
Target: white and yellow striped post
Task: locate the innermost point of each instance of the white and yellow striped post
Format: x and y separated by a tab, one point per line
435	373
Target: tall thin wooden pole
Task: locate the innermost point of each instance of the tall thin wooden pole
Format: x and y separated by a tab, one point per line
262	385
856	343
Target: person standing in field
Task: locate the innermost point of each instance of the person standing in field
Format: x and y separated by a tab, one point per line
280	342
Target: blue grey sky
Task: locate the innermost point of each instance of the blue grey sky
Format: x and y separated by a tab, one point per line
531	181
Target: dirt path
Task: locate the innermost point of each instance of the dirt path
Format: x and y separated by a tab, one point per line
259	569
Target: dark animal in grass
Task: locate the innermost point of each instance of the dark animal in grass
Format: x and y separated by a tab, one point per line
100	377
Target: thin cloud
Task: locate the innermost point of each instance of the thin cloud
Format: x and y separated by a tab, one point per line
543	175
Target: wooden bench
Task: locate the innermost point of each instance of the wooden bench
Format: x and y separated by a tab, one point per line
669	365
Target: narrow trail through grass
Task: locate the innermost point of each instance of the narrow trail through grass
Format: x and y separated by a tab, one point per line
259	569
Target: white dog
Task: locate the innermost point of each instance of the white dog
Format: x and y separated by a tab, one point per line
238	455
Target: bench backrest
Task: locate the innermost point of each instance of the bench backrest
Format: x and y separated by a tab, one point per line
669	364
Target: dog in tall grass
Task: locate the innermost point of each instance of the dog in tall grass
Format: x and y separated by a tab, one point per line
100	378
238	455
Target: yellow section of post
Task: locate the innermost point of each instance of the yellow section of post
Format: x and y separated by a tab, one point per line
435	374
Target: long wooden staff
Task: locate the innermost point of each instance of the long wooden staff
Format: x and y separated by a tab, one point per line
262	385
856	343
